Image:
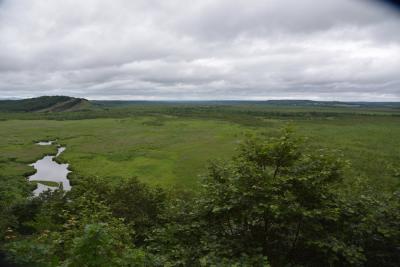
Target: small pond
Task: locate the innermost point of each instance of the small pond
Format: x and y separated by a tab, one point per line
48	170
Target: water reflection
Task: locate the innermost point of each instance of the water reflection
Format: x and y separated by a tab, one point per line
49	170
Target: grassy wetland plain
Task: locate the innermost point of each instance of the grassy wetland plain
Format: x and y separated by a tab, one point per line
153	180
170	145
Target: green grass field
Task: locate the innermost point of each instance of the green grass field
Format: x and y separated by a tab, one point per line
172	153
174	150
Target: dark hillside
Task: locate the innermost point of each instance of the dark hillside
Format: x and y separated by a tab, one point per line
45	104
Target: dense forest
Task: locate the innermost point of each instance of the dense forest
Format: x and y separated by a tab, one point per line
277	202
45	104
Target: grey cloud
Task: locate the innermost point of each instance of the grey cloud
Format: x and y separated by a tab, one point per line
205	49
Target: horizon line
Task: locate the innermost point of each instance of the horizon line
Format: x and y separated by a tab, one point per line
209	100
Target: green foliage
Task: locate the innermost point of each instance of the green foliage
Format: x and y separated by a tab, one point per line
98	244
90	226
138	205
102	245
13	192
279	153
279	201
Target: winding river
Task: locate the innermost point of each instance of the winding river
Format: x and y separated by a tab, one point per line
47	169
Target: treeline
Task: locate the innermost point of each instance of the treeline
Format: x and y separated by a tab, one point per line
276	203
250	115
32	104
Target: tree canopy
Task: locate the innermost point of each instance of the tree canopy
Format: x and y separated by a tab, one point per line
277	202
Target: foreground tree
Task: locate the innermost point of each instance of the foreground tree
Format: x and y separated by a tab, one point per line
281	201
80	228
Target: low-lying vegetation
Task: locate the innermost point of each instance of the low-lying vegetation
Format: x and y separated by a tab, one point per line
279	201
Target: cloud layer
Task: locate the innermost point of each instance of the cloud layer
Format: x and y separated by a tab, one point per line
201	49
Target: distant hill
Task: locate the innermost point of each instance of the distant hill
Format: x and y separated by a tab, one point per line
46	104
284	103
66	103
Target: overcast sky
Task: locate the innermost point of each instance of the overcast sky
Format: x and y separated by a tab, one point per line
200	49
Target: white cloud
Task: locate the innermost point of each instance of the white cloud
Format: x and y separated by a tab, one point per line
205	49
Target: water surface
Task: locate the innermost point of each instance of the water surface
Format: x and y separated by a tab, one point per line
45	143
49	170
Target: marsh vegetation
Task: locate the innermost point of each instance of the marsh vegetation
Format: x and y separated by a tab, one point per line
203	184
